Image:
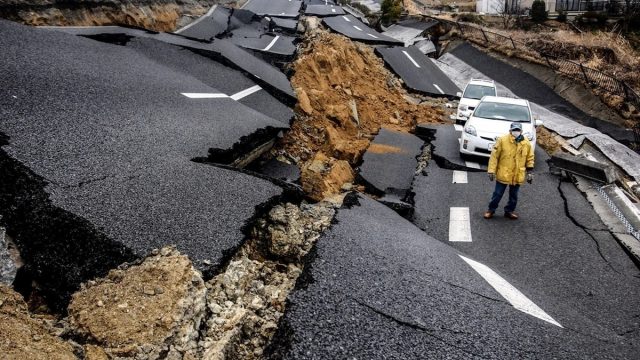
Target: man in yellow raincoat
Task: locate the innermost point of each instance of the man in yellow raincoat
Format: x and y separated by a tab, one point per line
510	164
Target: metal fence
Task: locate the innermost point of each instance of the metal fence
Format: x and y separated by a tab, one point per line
612	7
595	79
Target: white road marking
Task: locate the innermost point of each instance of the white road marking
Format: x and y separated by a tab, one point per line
197	20
459	224
373	36
517	299
205	95
410	58
246	92
346	18
458	127
438	87
271	43
472	164
333	10
357	28
459	177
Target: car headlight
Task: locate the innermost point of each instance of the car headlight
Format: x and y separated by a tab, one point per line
529	136
470	130
463	108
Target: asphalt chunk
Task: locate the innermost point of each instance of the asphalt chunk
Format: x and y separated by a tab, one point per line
390	162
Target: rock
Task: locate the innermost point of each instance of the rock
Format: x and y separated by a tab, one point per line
320	184
343	149
25	337
92	352
7	265
122	319
304	102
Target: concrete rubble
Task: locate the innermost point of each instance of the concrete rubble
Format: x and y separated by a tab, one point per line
247	300
7	264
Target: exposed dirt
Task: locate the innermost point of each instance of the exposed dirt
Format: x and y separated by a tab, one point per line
345	96
547	141
144	310
158	15
23	336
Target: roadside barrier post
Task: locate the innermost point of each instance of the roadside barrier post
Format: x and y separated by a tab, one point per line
586	78
486	39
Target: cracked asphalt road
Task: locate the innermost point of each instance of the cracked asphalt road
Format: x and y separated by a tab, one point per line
380	288
559	252
109	131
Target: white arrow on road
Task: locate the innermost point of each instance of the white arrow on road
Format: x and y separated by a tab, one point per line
517	299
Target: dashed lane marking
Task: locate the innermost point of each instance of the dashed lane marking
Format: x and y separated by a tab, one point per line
346	18
271	43
458	127
472	164
357	28
205	95
517	299
438	87
373	36
459	224
410	58
333	10
459	177
246	92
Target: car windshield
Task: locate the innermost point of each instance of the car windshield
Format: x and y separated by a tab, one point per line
478	91
500	111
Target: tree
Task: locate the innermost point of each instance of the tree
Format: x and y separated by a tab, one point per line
508	11
631	14
538	11
391	10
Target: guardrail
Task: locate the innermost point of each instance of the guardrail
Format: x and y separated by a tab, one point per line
595	79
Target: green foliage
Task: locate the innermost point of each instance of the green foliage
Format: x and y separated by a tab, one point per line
538	12
391	10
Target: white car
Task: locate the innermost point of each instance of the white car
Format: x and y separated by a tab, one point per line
491	119
475	90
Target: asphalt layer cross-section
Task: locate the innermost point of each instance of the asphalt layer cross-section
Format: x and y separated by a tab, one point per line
377	287
559	253
418	71
111	138
353	28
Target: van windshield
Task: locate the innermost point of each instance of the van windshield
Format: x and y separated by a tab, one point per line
478	91
500	111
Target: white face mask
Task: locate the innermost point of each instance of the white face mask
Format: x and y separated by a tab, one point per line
516	133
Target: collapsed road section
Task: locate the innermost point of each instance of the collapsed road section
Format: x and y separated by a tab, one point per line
108	154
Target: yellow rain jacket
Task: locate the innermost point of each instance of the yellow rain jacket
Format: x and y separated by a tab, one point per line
509	160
